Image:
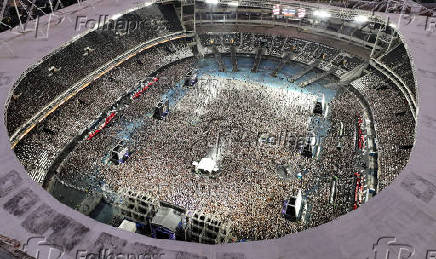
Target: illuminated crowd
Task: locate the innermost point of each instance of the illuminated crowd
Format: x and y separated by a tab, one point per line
395	126
231	114
68	65
248	191
37	151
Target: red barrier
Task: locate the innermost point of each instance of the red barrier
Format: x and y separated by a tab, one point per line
139	93
106	122
109	119
112	115
361	137
359	187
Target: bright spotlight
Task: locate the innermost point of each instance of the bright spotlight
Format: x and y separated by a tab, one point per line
361	18
234	4
212	1
116	16
321	13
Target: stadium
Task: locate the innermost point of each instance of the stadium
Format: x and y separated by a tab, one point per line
219	121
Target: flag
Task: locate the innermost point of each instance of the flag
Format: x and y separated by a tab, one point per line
276	9
288	12
301	12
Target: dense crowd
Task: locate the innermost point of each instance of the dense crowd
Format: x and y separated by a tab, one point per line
248	192
394	123
66	66
246	44
72	118
277	46
398	61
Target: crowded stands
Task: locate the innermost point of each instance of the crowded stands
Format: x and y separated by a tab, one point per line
230	113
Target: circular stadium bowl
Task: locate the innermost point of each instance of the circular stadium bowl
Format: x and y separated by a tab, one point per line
316	122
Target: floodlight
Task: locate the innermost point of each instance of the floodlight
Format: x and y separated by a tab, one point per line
212	1
116	16
361	18
322	13
235	4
